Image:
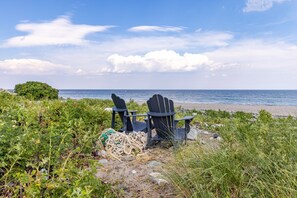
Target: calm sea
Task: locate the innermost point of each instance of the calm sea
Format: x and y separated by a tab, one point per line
252	97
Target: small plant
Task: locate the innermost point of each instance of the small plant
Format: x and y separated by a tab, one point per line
36	90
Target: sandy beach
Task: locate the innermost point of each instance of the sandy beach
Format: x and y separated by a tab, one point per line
274	110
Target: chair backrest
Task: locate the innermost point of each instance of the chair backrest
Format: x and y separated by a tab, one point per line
120	103
161	110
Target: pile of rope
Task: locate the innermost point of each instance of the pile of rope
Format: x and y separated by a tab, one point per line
120	144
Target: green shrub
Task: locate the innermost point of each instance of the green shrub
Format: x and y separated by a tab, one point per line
36	90
46	147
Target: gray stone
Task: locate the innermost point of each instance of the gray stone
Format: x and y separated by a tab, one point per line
122	187
192	135
219	139
127	158
103	161
134	171
154	164
157	178
205	132
102	153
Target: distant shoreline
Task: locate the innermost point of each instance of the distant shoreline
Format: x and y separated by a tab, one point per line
274	110
278	111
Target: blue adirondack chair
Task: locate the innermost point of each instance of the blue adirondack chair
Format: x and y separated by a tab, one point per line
129	124
162	115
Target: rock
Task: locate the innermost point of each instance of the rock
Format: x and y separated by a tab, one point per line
192	135
127	158
122	187
103	161
108	109
217	125
100	174
157	178
205	132
154	164
215	135
133	171
219	139
101	153
216	138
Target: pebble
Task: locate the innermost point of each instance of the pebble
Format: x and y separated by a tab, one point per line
157	178
218	125
205	132
134	171
127	158
154	164
123	187
102	153
103	161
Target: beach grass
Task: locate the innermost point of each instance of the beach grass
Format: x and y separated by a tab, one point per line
257	158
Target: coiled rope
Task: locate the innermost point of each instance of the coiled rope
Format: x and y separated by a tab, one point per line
120	144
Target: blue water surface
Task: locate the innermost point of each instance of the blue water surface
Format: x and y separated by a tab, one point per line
250	97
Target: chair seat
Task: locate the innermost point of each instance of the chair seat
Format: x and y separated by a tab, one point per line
139	126
180	135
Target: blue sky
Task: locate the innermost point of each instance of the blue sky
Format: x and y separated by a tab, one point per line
155	44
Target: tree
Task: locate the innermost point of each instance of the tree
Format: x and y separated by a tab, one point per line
36	90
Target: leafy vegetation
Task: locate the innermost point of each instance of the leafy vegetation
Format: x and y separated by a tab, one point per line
46	151
257	158
46	147
36	90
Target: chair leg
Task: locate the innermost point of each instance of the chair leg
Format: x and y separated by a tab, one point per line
113	119
149	133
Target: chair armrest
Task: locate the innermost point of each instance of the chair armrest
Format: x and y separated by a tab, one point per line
118	110
136	115
154	114
185	118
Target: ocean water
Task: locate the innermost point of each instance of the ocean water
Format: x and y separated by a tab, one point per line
250	97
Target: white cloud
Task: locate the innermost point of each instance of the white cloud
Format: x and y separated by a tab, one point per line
57	32
159	61
257	55
260	5
30	66
146	28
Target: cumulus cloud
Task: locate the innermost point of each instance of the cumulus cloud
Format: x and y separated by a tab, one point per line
30	66
57	32
159	61
146	28
257	54
260	5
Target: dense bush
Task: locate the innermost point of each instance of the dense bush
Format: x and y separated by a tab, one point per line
46	147
36	90
257	158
